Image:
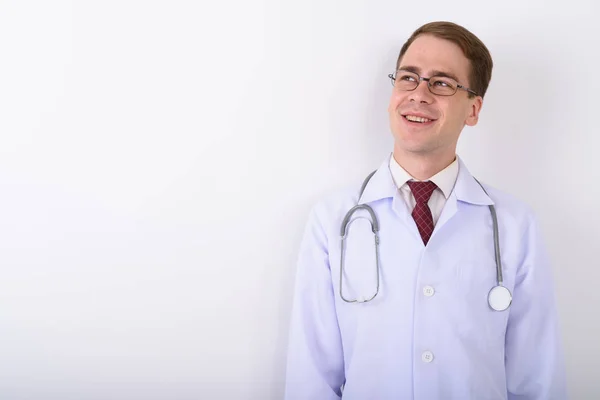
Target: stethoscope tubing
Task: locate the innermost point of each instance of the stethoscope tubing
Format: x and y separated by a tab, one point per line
496	303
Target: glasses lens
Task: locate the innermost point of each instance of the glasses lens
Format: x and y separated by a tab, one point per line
406	80
443	86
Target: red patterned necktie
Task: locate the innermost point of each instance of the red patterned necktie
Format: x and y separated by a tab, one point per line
422	214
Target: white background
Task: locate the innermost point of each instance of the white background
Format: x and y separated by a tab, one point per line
158	161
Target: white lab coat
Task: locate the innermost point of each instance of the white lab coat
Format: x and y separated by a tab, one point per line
429	333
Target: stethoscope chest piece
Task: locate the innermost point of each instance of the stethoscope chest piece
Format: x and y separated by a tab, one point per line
499	298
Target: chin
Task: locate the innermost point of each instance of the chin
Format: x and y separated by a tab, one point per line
410	142
415	148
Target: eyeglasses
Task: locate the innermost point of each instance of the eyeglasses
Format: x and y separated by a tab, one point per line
440	85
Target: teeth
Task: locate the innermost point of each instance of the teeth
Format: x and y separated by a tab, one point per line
417	119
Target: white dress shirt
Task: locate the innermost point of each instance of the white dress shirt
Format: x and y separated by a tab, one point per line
444	180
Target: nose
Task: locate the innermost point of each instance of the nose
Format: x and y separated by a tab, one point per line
421	94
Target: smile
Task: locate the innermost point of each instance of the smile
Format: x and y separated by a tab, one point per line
414	118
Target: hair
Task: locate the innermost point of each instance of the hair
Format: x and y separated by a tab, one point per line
471	46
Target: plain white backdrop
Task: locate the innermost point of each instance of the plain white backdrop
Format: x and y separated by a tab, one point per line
158	160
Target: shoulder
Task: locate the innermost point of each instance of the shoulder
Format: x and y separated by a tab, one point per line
510	208
331	207
333	201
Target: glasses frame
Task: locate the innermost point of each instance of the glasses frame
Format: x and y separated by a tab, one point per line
420	79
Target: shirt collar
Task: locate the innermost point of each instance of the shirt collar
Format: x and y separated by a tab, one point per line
444	180
381	185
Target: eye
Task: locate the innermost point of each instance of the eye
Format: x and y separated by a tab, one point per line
443	83
406	78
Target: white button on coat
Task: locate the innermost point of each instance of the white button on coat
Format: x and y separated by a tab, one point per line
428	291
427	357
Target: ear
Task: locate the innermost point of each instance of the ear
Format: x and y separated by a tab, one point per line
473	115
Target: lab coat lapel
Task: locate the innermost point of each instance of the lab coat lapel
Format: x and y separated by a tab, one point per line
401	209
447	213
466	190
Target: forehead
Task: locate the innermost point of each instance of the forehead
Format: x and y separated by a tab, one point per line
429	53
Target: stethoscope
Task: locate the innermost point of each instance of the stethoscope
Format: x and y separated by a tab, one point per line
499	297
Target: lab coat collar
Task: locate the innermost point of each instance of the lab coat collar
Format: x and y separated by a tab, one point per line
380	186
466	189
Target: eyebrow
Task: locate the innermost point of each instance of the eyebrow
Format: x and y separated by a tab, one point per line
435	72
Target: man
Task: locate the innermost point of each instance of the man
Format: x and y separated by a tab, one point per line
412	314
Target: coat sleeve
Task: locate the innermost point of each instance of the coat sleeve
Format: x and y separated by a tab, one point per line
534	357
315	364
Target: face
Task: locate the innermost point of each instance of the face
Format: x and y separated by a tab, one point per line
429	55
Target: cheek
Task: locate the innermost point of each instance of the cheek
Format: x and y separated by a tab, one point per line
395	101
454	116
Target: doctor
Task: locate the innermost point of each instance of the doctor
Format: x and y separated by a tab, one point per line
401	308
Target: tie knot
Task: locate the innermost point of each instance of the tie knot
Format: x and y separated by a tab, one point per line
422	190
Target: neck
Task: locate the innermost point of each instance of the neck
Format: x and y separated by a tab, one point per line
423	166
